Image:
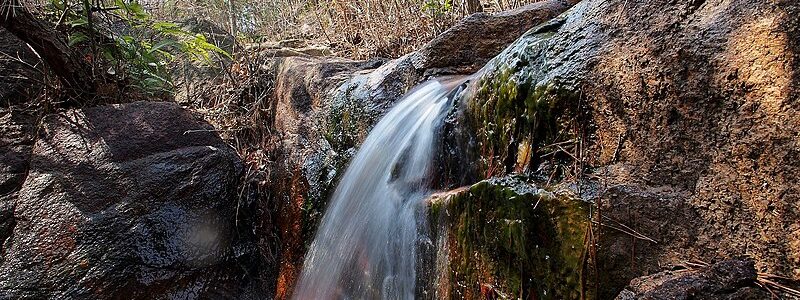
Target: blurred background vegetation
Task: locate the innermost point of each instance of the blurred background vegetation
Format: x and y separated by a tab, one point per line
357	29
158	49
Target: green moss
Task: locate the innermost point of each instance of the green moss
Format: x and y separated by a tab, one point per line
514	101
512	241
348	119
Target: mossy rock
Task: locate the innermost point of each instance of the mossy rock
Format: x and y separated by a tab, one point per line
516	106
503	238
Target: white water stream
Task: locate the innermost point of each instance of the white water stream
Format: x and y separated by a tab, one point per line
365	247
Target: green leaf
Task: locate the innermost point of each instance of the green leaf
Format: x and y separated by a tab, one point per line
162	44
128	39
205	46
168	28
138	11
58	4
76	38
219	50
108	53
132	10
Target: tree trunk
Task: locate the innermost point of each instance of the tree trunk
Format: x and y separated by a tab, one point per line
232	18
66	65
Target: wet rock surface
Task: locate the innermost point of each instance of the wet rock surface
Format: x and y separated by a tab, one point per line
126	201
16	142
730	279
505	238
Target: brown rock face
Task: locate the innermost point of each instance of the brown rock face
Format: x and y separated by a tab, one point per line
689	134
125	201
16	143
699	108
679	120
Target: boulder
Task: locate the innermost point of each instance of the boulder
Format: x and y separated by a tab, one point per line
16	143
505	238
470	44
729	279
126	201
679	119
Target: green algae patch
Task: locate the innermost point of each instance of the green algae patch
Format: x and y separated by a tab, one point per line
516	107
505	238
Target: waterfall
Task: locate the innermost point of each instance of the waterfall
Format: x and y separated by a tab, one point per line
366	244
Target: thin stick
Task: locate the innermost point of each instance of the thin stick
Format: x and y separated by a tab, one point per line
781	287
633	234
764	286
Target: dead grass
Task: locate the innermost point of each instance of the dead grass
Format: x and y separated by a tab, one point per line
357	29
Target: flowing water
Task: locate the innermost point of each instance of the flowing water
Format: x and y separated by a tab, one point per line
366	245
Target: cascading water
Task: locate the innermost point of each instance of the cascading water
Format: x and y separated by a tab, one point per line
365	247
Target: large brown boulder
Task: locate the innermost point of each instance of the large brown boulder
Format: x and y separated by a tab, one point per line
125	201
468	46
679	119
